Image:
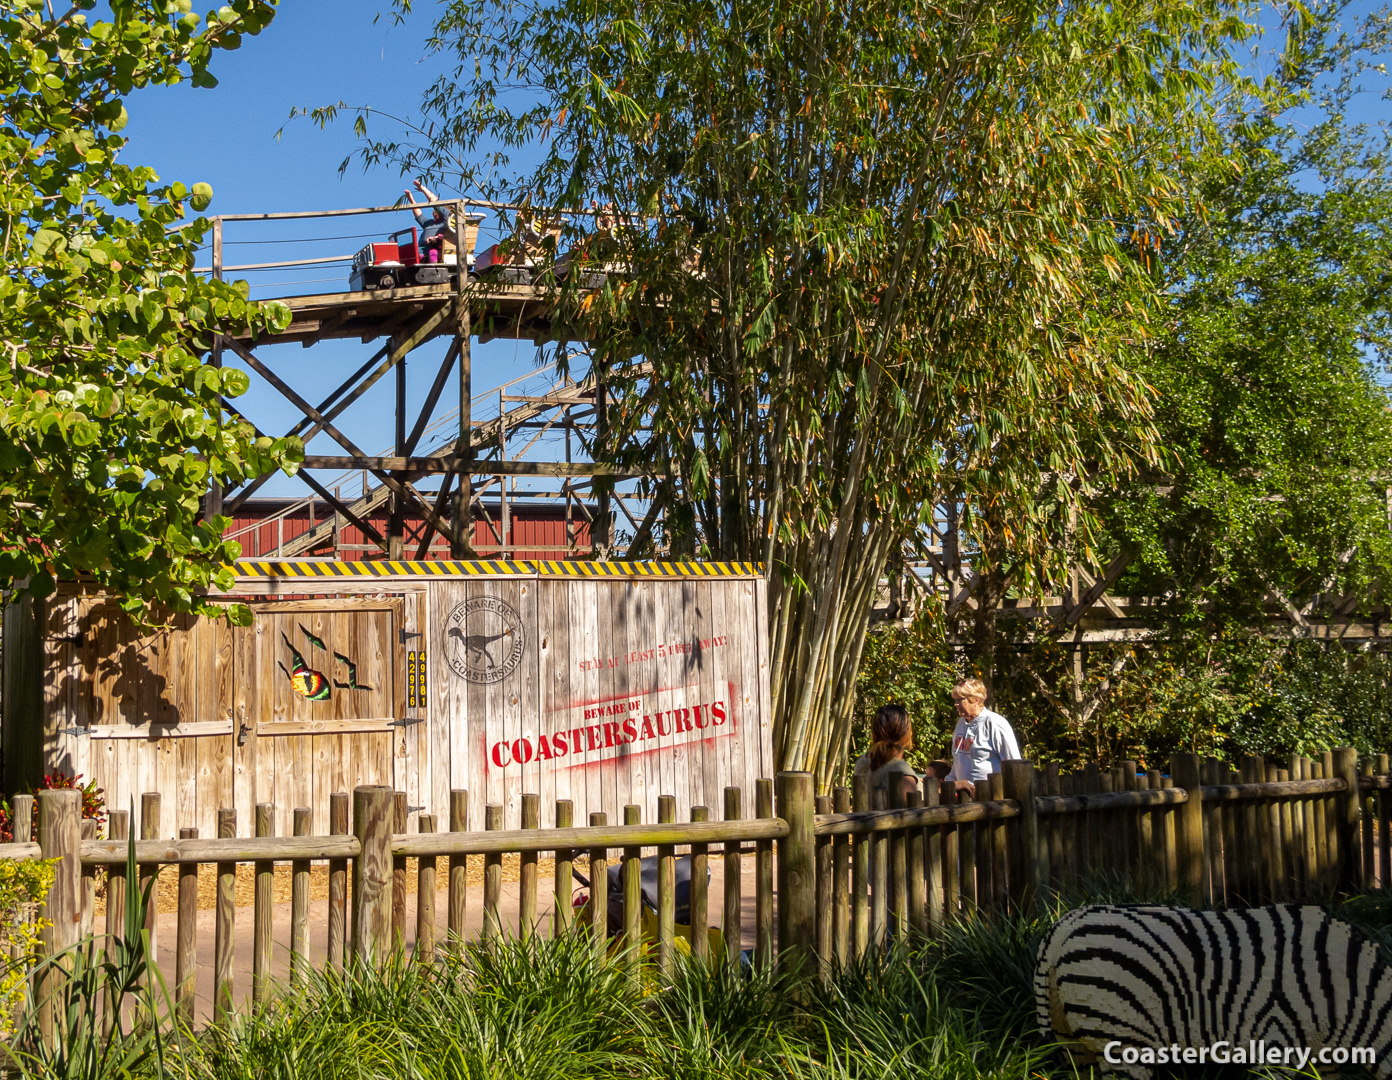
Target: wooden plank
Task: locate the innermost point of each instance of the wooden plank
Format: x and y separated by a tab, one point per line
700	900
841	883
522	693
425	899
599	892
763	879
583	602
527	876
225	928
299	903
458	869
186	947
563	912
554	680
666	890
398	894
642	681
335	948
492	875
732	916
263	900
860	871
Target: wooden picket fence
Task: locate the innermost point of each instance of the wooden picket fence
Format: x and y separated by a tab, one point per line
834	876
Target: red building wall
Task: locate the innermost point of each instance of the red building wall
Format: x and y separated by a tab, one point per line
536	530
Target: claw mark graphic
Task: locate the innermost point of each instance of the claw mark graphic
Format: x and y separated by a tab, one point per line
352	683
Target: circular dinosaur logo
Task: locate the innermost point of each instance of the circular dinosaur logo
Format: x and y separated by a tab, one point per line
484	639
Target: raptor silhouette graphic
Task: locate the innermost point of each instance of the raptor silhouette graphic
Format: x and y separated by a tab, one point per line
478	643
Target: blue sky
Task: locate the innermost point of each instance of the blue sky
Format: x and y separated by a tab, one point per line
318	52
315	52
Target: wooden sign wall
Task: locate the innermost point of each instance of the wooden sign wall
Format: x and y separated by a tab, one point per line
605	684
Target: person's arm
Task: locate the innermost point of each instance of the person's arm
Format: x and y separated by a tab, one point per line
414	208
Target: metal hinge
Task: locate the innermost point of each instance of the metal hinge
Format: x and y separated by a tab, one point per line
407	721
74	731
405	634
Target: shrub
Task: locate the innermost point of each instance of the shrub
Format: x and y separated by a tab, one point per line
23	883
93	803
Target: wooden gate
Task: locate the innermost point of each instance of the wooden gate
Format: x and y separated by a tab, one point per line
307	700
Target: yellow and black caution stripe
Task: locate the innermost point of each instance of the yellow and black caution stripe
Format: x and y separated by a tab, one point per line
325	568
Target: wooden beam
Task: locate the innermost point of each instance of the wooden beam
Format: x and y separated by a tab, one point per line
1101	585
424	466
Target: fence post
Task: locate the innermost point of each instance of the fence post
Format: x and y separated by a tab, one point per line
666	889
1348	814
372	873
797	869
60	837
1184	770
226	921
1024	879
338	883
186	946
763	879
458	869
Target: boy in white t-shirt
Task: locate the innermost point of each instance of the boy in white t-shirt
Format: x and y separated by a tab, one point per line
982	738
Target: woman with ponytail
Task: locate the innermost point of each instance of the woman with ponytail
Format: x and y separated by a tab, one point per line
891	735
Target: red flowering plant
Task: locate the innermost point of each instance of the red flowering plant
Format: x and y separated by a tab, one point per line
93	803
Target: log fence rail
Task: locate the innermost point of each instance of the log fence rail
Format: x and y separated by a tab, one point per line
854	870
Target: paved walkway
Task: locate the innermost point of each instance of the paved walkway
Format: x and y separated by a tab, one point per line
166	930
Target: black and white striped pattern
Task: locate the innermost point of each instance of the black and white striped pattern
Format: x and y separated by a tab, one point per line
1157	976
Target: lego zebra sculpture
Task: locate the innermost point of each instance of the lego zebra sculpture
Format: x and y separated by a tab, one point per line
1115	980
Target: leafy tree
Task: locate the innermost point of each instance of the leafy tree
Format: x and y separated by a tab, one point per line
1266	384
874	252
112	423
